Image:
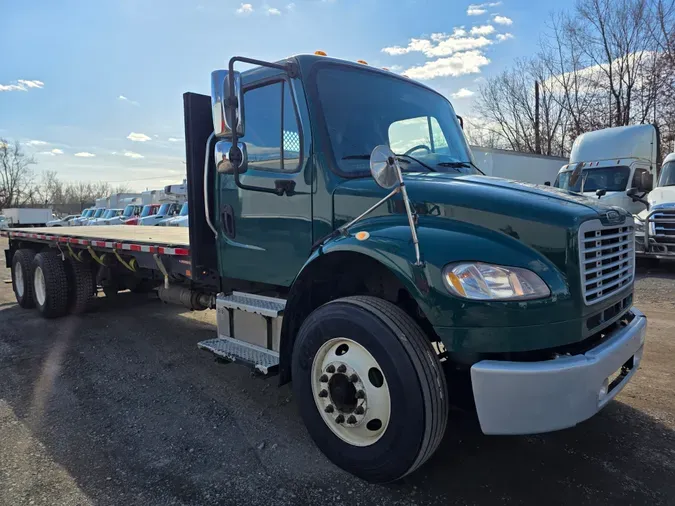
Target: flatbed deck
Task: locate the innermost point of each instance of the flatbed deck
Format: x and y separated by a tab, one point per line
162	240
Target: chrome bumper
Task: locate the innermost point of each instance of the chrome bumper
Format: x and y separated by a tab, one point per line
535	397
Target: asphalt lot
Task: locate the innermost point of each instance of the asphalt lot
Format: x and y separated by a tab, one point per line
119	406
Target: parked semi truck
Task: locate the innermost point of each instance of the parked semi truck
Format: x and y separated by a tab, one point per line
655	225
613	165
381	284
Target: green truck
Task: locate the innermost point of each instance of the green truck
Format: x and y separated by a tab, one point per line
341	231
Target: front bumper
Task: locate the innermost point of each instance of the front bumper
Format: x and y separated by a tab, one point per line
655	249
535	397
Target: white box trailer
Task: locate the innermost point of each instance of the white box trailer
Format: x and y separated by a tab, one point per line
524	167
25	217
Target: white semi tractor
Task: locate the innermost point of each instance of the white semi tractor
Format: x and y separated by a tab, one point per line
617	166
523	167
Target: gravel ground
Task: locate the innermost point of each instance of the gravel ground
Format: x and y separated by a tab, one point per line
119	406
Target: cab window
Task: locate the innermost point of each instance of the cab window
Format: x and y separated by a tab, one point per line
272	134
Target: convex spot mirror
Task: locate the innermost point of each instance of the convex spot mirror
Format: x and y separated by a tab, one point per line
229	157
384	167
223	103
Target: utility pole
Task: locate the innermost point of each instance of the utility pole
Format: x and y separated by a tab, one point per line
537	138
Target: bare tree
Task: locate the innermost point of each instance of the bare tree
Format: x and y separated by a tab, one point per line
16	175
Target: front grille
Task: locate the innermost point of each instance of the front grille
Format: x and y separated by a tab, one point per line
664	226
606	259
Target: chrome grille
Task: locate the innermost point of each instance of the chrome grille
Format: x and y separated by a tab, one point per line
606	259
664	226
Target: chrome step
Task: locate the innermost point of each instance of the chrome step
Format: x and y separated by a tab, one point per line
251	303
262	360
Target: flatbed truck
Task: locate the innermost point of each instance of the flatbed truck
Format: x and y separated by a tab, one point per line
384	285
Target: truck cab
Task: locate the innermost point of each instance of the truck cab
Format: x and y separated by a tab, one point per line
166	210
655	225
130	211
609	163
147	210
106	217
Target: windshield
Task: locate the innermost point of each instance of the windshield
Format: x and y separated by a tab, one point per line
163	209
147	211
612	179
87	213
667	176
128	211
98	213
107	214
363	109
184	210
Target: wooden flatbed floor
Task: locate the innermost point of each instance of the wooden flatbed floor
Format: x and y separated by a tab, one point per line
165	236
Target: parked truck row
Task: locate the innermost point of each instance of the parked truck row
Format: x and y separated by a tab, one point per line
385	276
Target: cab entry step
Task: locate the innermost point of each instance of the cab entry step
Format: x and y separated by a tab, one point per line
253	303
262	360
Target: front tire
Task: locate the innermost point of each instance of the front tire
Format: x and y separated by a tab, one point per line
351	357
50	284
22	277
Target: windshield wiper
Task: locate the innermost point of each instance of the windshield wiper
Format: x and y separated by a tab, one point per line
400	158
459	165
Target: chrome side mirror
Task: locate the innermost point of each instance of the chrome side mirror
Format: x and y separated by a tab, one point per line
229	157
384	167
222	104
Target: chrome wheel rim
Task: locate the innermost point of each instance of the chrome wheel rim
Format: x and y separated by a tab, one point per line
18	280
40	287
351	392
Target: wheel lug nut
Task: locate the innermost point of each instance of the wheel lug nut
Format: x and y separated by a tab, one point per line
351	419
360	394
323	393
330	369
359	410
340	419
329	408
323	378
353	378
342	368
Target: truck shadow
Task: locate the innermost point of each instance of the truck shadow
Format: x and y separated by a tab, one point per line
133	411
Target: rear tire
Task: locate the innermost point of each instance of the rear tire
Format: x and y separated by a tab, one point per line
50	284
409	371
81	286
22	277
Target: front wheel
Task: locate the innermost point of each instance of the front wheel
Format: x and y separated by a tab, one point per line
370	387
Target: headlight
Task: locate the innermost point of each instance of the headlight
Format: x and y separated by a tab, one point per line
481	281
639	226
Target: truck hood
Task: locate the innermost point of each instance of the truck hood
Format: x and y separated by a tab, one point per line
542	217
661	195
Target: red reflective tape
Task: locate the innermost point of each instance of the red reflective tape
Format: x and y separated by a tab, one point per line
63	239
181	251
135	247
118	245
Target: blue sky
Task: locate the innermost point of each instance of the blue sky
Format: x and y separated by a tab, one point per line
93	89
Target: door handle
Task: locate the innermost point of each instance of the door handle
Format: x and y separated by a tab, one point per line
227	216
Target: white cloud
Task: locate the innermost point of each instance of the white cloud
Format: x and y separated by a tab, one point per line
482	30
441	44
501	37
53	152
463	93
22	85
245	9
36	143
138	137
290	6
131	154
57	151
468	62
502	20
175	139
480	9
84	154
272	11
122	98
475	11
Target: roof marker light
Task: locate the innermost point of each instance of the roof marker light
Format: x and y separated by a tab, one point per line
362	62
320	53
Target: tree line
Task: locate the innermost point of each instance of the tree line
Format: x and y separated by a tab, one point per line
606	63
21	186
